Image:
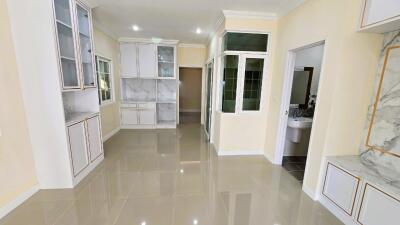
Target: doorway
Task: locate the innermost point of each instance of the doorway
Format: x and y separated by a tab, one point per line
300	91
190	81
208	107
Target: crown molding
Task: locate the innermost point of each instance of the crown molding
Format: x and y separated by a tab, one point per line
217	25
233	14
104	29
186	45
148	40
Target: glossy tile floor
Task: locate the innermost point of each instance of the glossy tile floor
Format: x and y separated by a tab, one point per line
173	177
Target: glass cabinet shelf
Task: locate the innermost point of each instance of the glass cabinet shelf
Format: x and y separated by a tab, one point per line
166	61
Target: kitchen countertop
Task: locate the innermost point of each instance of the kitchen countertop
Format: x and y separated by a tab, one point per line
75	117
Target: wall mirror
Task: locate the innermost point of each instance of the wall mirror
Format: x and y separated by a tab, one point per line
301	86
383	132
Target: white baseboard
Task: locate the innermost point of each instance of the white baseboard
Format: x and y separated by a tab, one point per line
112	133
310	193
239	153
18	201
190	110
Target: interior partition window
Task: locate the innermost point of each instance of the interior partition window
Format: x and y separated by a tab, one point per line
104	77
230	77
253	75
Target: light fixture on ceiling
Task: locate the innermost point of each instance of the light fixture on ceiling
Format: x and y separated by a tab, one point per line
135	27
198	31
195	222
143	223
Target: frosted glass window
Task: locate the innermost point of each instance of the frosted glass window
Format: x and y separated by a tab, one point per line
230	75
252	84
105	79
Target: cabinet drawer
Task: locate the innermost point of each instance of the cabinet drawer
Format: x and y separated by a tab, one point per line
146	106
341	187
378	208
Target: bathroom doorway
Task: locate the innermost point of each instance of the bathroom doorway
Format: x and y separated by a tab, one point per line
299	99
190	85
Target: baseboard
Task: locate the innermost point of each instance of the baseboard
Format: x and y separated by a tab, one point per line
112	133
239	153
310	192
190	110
18	201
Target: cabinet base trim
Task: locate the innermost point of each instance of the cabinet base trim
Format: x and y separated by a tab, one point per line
339	213
18	201
110	134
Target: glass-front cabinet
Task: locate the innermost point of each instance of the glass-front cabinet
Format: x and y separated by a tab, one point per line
74	36
166	61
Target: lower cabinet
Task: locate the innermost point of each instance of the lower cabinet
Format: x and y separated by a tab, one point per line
78	145
341	188
143	114
129	116
378	208
356	200
84	143
147	117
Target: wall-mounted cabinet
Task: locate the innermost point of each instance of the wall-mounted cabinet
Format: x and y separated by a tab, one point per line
75	45
166	61
380	16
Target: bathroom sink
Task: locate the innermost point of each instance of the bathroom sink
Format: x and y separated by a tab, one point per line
300	122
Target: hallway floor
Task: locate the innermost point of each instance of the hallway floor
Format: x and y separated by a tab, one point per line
173	177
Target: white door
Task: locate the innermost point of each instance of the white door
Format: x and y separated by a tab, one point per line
128	60
78	147
129	116
341	188
94	136
147	60
378	208
147	117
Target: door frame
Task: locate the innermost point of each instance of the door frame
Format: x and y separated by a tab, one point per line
285	99
209	65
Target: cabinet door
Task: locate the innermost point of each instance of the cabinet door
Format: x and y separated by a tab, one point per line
341	188
85	45
378	208
376	11
129	116
66	44
78	147
147	117
128	60
166	61
147	60
94	137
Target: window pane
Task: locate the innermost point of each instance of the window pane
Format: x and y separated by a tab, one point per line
252	84
245	42
230	82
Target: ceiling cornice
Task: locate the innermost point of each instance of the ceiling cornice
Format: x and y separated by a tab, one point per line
186	45
147	40
233	14
104	29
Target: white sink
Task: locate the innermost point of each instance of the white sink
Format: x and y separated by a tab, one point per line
300	122
296	127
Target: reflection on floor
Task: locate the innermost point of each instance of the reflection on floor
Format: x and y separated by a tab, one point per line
173	177
189	117
295	165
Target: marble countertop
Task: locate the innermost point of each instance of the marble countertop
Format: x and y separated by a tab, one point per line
75	117
384	178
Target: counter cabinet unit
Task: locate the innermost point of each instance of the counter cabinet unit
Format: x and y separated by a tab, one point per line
357	200
85	143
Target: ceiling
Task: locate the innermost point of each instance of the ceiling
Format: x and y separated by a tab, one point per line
175	19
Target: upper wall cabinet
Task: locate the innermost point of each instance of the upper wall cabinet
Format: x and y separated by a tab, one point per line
166	61
147	60
129	62
380	16
74	37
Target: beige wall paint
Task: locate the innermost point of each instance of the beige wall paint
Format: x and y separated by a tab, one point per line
348	68
191	56
17	169
190	89
243	132
108	47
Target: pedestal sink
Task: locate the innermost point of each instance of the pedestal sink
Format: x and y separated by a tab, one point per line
296	126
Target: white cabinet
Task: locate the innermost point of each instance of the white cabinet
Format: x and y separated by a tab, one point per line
129	116
75	43
147	117
78	147
128	60
380	16
94	138
378	208
166	61
341	188
147	60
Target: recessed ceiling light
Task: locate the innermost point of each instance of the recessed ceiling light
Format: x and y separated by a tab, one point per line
181	171
143	223
135	27
198	31
195	222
